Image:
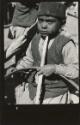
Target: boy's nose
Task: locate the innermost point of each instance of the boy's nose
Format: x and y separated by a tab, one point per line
44	25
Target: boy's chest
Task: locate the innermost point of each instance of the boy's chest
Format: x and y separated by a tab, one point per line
53	56
41	46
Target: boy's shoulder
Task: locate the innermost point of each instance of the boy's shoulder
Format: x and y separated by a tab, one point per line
65	34
62	39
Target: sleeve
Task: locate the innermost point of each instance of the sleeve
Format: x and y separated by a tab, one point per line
70	68
27	60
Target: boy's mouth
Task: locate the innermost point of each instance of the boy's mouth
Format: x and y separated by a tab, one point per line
43	33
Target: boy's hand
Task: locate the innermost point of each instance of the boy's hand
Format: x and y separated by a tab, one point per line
46	70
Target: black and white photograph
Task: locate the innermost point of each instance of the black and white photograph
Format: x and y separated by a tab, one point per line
41	53
40	48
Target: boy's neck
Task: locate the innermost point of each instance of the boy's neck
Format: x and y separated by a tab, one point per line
52	36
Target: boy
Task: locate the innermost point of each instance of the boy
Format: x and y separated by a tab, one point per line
61	55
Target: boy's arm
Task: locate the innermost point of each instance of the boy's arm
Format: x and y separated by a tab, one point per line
27	60
70	68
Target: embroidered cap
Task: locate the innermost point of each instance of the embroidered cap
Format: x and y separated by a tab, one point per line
55	9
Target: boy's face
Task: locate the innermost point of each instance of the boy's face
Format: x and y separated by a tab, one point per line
48	25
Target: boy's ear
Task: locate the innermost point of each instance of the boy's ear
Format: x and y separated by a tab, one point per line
63	22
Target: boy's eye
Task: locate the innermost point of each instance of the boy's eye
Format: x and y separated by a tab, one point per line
50	21
47	21
40	20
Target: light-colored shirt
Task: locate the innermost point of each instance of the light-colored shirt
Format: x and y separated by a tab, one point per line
70	68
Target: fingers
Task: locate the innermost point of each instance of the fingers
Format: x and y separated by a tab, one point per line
38	69
40	72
